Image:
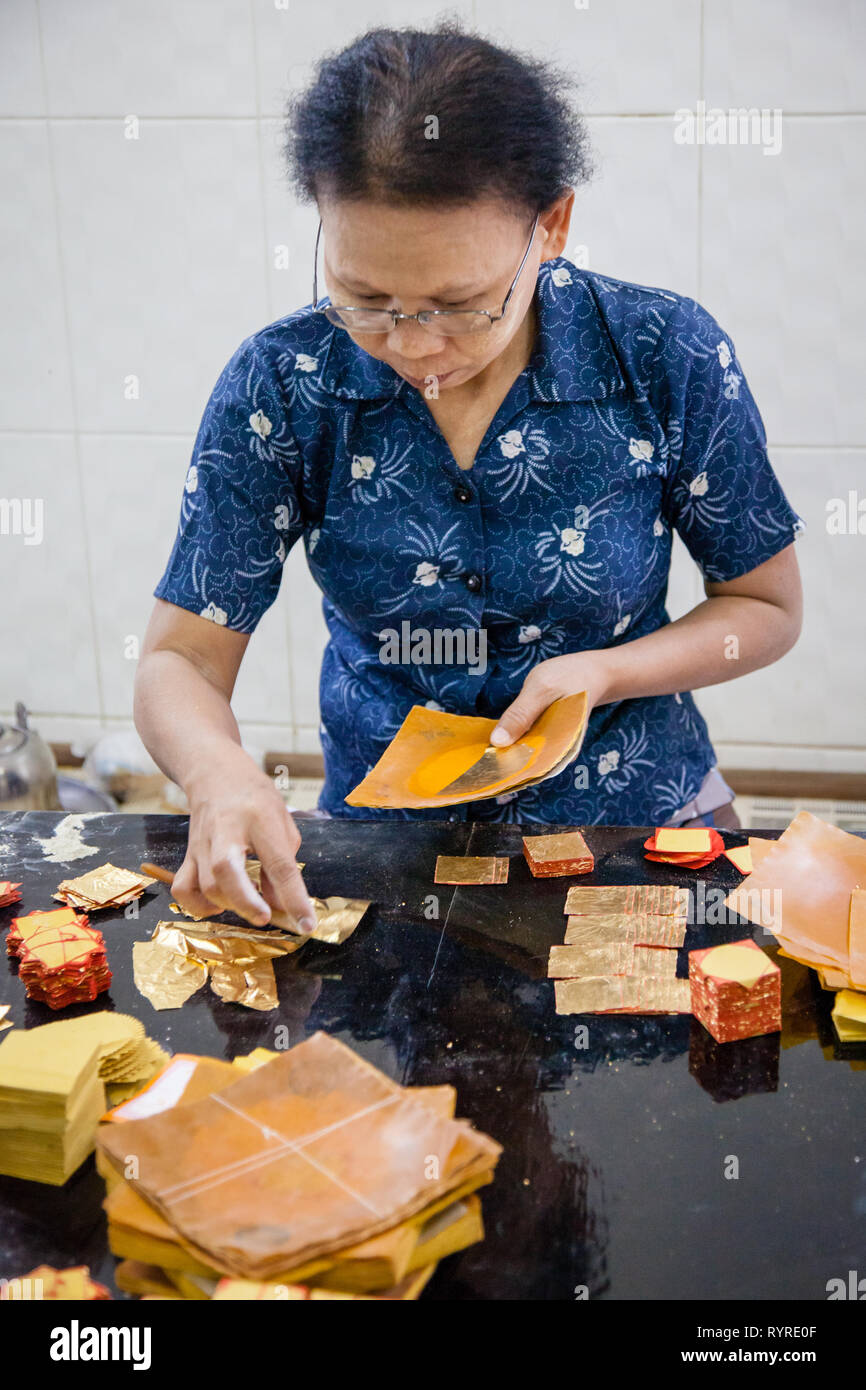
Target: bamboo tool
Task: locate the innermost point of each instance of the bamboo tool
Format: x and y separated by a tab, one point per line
336	917
278	918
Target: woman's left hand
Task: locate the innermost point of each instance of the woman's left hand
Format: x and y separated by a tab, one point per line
548	681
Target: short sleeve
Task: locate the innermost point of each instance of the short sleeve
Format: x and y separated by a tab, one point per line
240	513
721	493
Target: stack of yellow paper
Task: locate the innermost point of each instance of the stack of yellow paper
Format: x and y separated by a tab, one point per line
51	1099
849	1016
52	1095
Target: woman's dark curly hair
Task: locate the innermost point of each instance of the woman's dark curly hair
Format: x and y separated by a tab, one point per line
504	125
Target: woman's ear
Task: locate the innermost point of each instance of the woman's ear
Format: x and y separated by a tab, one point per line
555	221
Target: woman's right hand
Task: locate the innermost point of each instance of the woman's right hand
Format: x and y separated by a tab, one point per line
236	810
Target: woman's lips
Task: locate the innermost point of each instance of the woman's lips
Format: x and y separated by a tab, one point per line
419	382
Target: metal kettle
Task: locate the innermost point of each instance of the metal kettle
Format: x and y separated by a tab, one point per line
28	772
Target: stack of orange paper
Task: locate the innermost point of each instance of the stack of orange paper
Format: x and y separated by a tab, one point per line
9	893
807	890
62	959
691	849
311	1168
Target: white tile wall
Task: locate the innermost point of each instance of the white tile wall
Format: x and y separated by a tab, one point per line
626	229
153	257
37	386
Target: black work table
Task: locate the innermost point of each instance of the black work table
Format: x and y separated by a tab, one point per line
615	1153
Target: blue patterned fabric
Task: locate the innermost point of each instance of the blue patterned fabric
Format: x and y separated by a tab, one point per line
632	419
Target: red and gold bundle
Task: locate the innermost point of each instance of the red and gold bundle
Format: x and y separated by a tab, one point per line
736	991
73	1285
9	893
62	959
691	849
552	856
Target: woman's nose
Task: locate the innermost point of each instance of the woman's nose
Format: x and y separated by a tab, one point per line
409	339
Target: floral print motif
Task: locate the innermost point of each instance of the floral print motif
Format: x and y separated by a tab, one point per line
632	420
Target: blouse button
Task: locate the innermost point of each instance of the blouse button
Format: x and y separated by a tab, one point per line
463	494
473	582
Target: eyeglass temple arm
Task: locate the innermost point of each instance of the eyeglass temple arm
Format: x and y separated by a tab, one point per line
316	266
519	268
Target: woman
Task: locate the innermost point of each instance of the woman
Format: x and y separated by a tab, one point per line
471	436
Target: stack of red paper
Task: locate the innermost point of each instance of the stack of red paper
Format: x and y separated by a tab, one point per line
62	958
691	849
735	990
9	893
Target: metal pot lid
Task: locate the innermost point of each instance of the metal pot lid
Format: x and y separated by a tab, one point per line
11	739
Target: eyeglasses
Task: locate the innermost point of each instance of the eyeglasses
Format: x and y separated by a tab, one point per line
450	323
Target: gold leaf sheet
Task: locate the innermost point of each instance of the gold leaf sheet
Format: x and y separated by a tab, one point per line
620	958
654	898
627	994
470	868
640	928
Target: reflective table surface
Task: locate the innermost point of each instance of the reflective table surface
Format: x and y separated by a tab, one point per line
641	1159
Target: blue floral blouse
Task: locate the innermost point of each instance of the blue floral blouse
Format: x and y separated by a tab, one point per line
632	419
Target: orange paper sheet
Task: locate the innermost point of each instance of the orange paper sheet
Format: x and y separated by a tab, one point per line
802	890
857	939
439	759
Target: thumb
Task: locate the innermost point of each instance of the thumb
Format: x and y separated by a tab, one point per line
520	715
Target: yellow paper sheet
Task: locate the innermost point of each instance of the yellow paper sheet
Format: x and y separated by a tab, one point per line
737	963
674	841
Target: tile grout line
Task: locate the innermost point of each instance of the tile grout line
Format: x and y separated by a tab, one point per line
266	277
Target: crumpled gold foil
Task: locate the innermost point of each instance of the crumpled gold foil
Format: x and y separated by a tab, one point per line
182	954
336	919
164	976
253	984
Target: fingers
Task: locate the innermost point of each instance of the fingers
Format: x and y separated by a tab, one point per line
185	889
282	884
223	879
522	713
213	876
